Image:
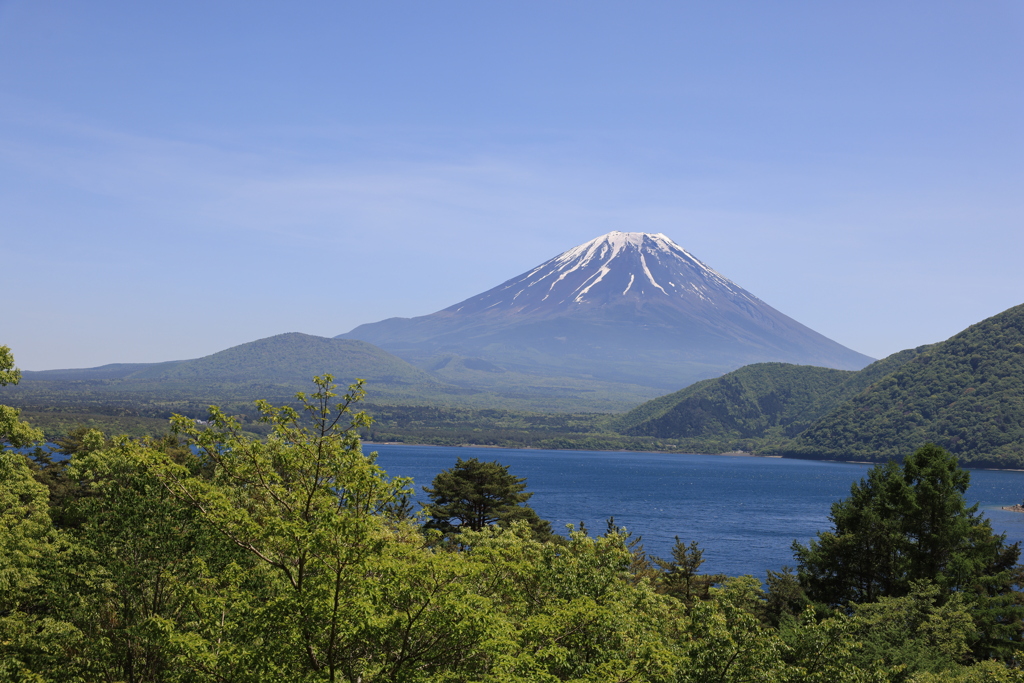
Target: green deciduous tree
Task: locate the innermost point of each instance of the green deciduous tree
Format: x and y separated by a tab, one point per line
8	373
137	577
294	559
913	632
306	503
13	431
568	611
27	542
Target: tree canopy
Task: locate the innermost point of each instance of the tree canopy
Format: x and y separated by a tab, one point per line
907	524
210	555
474	495
13	431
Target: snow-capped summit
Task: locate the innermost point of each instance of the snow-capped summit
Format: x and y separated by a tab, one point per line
615	267
627	307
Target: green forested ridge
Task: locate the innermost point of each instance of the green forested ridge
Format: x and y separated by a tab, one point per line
855	383
765	401
214	556
759	400
965	394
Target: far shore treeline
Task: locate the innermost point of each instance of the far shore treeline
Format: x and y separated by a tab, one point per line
212	554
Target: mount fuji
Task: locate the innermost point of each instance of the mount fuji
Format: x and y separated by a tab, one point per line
627	307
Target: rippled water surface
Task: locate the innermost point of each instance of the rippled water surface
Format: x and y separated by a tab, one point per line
745	512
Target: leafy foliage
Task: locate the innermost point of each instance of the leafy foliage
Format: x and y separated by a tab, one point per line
305	504
215	556
27	539
13	431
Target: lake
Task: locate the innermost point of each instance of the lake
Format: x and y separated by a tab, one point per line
745	512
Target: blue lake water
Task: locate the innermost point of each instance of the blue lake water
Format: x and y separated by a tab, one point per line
744	512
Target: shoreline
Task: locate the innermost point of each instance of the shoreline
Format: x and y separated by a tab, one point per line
728	454
746	454
732	454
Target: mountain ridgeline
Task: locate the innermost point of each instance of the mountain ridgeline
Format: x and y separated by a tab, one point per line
756	401
628	308
285	359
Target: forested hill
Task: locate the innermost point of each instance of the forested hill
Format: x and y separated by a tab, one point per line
747	403
855	383
761	401
965	394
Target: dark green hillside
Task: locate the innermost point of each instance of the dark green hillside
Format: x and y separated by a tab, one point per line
854	384
755	401
965	394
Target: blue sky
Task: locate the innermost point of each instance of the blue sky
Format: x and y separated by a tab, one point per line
177	178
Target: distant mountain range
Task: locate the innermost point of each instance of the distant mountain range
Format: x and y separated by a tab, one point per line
965	394
626	307
603	328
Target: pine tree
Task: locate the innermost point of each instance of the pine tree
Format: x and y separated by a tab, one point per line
909	523
474	494
680	576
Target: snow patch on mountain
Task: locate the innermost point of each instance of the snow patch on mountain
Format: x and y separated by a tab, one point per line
606	268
